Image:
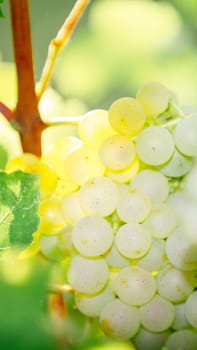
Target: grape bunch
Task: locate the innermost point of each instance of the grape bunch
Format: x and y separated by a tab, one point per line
119	202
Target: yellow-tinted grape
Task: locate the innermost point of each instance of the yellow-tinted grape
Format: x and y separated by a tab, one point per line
127	116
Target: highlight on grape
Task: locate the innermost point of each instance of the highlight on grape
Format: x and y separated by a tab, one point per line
118	204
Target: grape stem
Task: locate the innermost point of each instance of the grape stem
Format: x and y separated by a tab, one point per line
58	43
26	113
6	111
60	289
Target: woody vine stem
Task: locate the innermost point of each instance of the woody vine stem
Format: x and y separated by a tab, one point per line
26	114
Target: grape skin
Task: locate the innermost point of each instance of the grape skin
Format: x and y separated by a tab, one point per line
117	152
135	286
119	320
88	276
126	116
92	236
155	145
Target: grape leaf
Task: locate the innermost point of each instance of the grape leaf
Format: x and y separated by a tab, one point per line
1	12
19	201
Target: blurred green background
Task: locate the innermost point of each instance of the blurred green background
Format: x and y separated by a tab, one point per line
118	46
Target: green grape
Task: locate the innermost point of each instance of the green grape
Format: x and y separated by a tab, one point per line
155	145
117	152
135	286
156	258
161	221
133	240
185	136
174	285
119	320
184	339
178	165
153	183
127	116
154	97
133	205
99	196
71	208
52	219
92	236
157	315
54	133
83	164
180	321
115	259
94	127
125	175
91	305
191	309
147	340
88	276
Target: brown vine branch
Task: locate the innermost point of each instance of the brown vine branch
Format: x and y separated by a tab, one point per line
58	43
26	113
60	289
6	111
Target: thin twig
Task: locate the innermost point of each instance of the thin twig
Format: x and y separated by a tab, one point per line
60	289
58	43
6	111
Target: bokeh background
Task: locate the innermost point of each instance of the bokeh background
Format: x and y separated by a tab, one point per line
117	47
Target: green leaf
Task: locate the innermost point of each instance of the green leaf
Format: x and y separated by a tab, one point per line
19	201
1	12
3	157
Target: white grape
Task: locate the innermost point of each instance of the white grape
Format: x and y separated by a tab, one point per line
174	285
127	116
115	259
177	166
134	285
181	251
180	321
119	320
157	315
153	183
155	258
180	202
99	196
185	339
161	221
147	340
88	276
185	136
155	145
52	134
94	127
191	309
49	247
133	240
91	305
117	152
64	239
133	205
92	236
83	164
71	208
190	183
154	97
125	175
